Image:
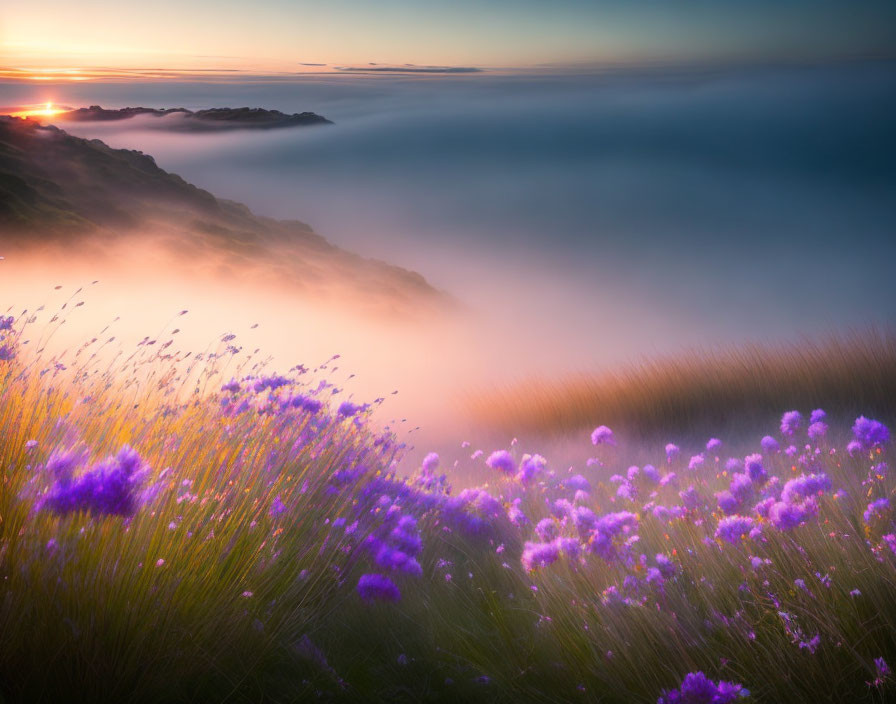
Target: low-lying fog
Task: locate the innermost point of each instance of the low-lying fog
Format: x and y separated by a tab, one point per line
580	220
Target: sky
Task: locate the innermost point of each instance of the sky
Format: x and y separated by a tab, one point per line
309	35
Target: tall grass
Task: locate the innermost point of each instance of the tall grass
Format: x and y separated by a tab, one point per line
236	579
709	389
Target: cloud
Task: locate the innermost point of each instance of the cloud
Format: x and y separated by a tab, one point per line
409	68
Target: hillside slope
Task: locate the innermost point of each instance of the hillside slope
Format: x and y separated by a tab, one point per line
56	190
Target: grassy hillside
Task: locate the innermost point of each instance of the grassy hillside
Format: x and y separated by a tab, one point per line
57	191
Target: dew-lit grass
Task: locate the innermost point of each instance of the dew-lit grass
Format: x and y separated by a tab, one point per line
272	546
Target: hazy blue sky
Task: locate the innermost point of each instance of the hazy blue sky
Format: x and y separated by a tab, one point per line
275	35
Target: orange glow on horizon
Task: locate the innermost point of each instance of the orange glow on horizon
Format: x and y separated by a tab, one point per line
47	110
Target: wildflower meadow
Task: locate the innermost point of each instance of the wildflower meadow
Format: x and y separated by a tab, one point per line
180	527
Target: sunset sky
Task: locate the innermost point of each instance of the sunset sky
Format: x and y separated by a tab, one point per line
291	35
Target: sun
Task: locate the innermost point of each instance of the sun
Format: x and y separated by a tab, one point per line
37	111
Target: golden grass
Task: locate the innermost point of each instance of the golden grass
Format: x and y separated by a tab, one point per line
844	374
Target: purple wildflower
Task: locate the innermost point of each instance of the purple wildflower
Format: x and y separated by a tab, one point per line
110	487
769	445
310	405
817	430
882	672
584	520
672	452
515	514
430	463
269	382
665	565
670	479
373	587
602	435
890	540
577	483
6	322
530	467
755	470
347	409
540	554
733	464
870	433
651	473
277	506
741	486
697	688
804	486
734	528
501	460
812	644
616	523
785	515
817	416
233	386
690	497
876	509
762	508
394	559
627	491
728	503
791	422
713	445
547	529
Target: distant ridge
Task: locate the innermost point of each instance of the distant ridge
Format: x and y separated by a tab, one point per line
213	119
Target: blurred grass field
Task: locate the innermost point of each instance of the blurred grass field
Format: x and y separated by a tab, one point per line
710	390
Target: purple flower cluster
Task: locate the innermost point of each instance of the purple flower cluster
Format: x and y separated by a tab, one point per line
377	587
309	404
602	435
7	347
733	529
110	487
870	433
786	516
347	409
713	445
882	672
791	422
607	540
672	452
876	509
804	486
530	468
769	445
540	554
502	461
697	688
271	383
